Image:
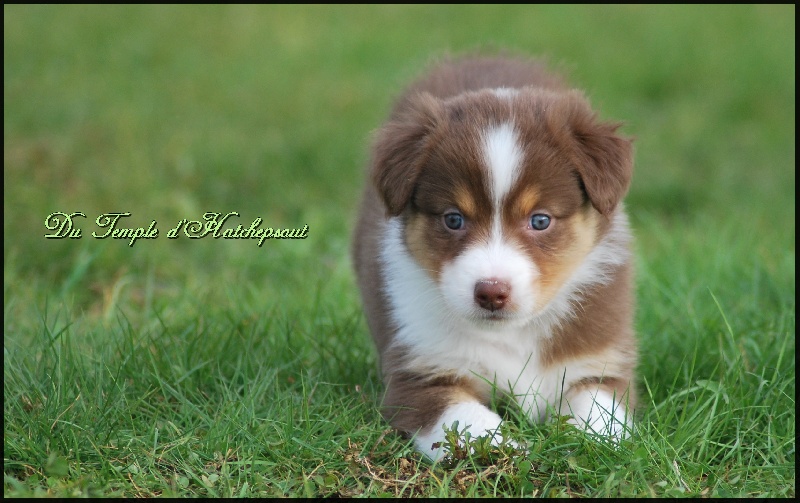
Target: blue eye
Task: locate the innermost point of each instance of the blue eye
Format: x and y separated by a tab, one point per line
540	222
454	221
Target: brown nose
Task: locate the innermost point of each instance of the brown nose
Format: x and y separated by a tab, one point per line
492	294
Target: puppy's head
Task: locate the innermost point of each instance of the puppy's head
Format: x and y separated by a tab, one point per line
502	193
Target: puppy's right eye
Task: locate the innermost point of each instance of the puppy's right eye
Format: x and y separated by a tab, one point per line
454	221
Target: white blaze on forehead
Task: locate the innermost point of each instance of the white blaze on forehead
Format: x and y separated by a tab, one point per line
503	156
505	92
495	258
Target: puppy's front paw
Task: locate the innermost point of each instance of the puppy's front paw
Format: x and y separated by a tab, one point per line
472	418
599	413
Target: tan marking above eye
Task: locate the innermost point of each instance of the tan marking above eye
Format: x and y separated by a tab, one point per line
526	202
465	202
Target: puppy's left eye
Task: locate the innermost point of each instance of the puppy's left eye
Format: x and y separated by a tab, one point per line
540	221
454	221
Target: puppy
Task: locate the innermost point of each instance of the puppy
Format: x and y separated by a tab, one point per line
492	250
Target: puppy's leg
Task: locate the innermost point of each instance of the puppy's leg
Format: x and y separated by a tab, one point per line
473	416
422	406
599	409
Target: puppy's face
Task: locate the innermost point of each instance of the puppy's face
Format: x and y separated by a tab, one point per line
499	195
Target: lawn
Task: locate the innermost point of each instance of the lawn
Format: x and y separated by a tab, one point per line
218	367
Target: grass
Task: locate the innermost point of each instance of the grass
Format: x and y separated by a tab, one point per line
218	368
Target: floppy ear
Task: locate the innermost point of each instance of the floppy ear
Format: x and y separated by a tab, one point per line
605	159
401	148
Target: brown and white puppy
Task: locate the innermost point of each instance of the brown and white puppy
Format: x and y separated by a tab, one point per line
492	249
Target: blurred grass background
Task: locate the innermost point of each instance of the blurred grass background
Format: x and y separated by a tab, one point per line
168	112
